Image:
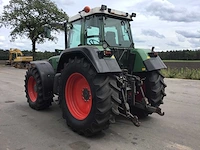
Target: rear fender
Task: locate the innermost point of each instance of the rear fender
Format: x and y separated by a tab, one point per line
46	72
91	53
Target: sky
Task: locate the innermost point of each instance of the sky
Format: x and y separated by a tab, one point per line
164	24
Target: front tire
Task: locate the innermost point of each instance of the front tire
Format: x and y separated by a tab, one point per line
34	91
85	97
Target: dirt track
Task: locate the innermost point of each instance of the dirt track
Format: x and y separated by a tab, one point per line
22	128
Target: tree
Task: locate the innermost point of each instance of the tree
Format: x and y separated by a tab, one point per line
28	18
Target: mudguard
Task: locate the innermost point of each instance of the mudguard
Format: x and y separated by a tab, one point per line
143	61
46	72
91	53
154	63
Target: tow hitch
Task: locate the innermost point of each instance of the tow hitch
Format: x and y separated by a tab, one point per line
131	82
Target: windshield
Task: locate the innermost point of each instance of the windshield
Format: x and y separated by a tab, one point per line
117	32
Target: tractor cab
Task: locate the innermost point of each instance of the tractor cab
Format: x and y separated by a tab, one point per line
100	26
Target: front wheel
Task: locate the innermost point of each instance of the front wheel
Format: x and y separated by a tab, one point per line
85	97
34	91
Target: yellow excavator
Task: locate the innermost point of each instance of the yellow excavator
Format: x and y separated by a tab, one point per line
17	59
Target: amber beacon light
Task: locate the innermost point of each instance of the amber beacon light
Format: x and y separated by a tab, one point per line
87	9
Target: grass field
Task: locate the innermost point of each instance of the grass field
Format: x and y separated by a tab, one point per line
181	61
182	73
182	64
184	69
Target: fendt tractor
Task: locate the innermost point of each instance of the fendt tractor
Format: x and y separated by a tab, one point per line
99	75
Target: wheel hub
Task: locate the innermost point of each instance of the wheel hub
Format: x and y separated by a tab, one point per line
86	94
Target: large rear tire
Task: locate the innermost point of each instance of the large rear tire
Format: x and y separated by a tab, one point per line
34	91
85	97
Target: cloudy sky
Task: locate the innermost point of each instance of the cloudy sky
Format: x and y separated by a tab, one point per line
164	24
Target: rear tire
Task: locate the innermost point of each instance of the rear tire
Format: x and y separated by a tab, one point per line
154	91
155	88
85	97
34	91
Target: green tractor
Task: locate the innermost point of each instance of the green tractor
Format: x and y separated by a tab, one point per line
99	75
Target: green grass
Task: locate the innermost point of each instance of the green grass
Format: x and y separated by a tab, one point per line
182	73
181	60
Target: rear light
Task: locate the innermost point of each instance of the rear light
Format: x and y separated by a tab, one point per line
105	53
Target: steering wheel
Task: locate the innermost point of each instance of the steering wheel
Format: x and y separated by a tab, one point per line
92	41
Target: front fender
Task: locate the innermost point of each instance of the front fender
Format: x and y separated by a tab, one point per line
46	72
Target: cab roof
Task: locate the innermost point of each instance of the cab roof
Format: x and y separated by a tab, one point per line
102	10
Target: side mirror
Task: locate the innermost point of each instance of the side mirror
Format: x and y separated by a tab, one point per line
47	31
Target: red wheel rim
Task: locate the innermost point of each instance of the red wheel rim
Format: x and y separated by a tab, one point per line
32	92
78	96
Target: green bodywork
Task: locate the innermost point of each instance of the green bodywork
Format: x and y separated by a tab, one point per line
54	61
140	56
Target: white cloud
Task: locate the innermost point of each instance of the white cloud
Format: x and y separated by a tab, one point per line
189	34
153	33
194	42
2	38
19	44
172	44
166	10
180	38
138	40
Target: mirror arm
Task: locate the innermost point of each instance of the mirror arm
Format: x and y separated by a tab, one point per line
65	26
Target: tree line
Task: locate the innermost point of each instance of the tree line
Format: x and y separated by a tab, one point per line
180	55
4	54
168	55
